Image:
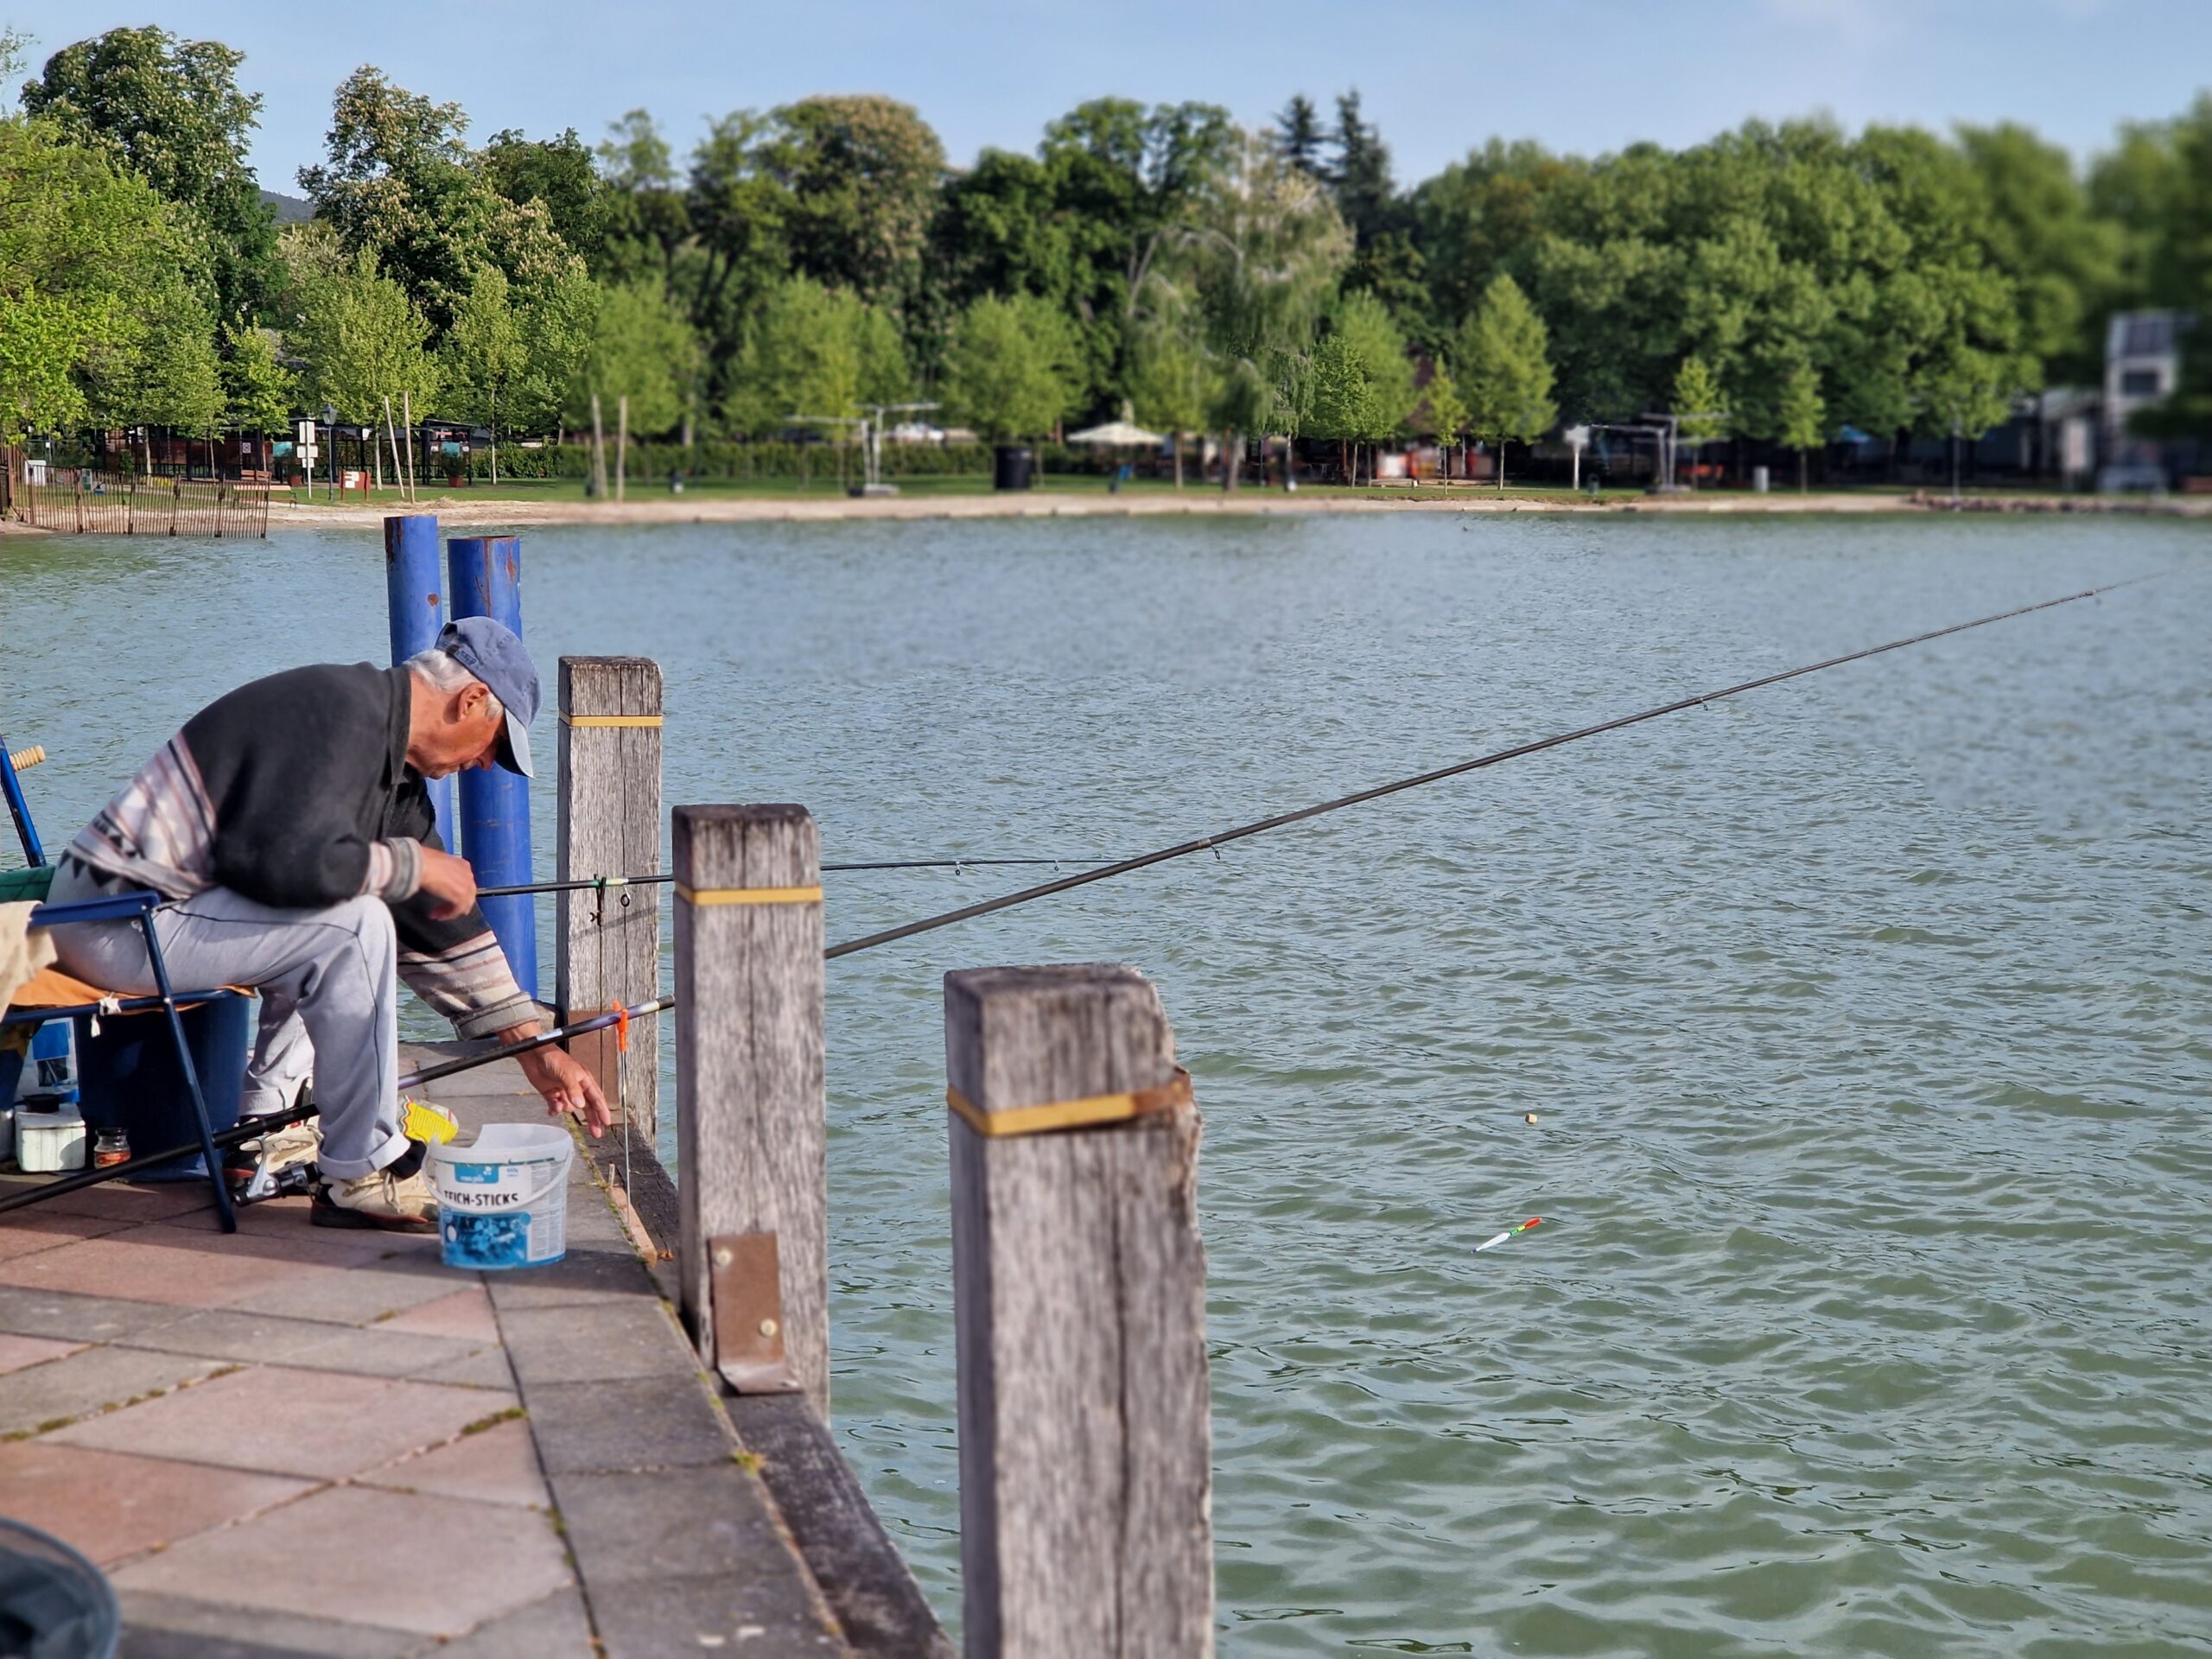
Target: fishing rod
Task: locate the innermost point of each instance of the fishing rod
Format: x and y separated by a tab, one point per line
597	883
1184	849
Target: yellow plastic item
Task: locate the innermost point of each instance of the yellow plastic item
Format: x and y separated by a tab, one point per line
420	1121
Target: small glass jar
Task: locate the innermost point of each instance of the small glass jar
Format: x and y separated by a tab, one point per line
110	1147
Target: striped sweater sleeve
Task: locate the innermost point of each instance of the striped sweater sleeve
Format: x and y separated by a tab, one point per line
470	984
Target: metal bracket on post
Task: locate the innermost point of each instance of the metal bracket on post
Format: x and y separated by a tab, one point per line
748	1313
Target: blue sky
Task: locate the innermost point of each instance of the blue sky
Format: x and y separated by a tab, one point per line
1438	77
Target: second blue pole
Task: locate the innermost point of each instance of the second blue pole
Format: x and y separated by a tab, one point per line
412	593
485	580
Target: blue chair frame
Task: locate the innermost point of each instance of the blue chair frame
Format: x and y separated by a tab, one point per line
111	908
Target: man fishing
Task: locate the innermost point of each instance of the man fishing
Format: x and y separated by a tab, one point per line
289	825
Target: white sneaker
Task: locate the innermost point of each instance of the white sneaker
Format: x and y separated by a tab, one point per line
388	1202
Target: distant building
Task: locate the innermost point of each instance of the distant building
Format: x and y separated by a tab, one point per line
2142	364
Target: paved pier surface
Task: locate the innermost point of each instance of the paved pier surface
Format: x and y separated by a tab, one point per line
304	1441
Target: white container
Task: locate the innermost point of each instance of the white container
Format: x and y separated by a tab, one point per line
503	1200
49	1142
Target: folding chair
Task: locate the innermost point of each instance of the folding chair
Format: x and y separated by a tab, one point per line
33	884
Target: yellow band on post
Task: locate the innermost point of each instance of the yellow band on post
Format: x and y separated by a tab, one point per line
748	895
1072	1114
611	720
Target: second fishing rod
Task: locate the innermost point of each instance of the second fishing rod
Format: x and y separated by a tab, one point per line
1261	826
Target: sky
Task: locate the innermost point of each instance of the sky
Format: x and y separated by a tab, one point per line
1438	77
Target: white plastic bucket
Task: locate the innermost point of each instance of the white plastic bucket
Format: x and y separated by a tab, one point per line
503	1200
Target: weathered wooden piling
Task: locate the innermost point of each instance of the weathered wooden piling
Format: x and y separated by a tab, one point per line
1079	1304
753	1264
608	955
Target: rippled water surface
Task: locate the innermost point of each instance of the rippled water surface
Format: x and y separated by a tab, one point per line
1865	1020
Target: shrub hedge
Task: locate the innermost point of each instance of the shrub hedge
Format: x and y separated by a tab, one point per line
741	461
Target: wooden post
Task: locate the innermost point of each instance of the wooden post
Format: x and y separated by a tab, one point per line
609	952
750	1118
1079	1314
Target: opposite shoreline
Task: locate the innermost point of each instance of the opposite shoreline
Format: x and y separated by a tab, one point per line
460	510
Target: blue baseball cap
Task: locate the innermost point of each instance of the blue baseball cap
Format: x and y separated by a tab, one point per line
492	651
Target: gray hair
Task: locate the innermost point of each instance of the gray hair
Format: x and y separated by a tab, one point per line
444	673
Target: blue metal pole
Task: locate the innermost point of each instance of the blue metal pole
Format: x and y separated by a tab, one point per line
486	581
412	595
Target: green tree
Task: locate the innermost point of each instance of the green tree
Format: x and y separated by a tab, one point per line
1011	371
402	185
1506	349
1804	417
1362	380
93	266
1255	265
1699	407
365	341
804	361
1168	383
1299	138
885	376
170	111
559	173
861	174
486	352
1443	411
258	393
641	348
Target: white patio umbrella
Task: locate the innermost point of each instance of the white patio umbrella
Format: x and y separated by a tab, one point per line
1117	433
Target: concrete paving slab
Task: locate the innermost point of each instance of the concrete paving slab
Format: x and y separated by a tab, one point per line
598	1343
654	1618
555	1628
322	1425
378	1350
496	1465
63	1390
672	1523
24	1231
226	1333
361	1295
182	1627
32	1313
589	1274
113	1506
650	1422
487	1369
435	1566
15	1353
120	1200
182	1276
466	1313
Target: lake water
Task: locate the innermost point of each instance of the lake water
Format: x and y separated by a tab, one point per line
1864	1018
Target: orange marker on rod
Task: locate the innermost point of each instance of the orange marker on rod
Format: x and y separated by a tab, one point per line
1491	1243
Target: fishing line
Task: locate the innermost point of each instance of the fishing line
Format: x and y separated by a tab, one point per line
596	883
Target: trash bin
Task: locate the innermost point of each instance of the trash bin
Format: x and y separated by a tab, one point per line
128	1078
1759	481
1011	464
53	1603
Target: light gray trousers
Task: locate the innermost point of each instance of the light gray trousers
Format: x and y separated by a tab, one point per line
329	989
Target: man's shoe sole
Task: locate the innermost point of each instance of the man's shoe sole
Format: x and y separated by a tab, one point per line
322	1214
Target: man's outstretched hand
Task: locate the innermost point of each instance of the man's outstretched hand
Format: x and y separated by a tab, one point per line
566	1086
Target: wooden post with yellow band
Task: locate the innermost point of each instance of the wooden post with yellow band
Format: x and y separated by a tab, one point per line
750	1124
609	952
1079	1315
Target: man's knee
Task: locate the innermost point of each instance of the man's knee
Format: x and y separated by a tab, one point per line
369	920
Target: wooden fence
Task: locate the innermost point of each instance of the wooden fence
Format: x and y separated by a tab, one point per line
88	502
1077	1271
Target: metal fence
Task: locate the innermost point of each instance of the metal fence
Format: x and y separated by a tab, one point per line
91	502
